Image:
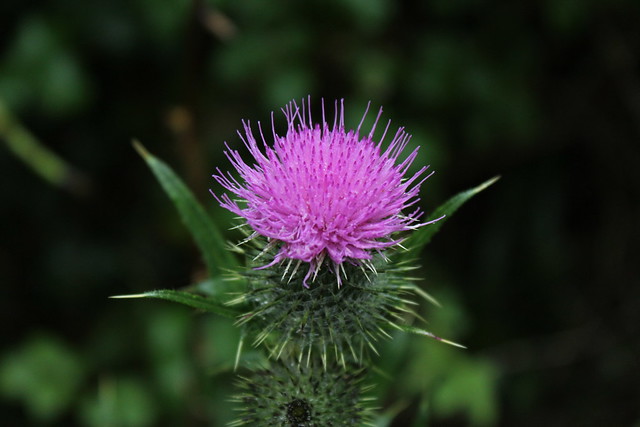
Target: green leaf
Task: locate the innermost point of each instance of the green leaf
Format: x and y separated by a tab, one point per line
121	401
199	223
187	298
422	416
469	389
213	288
423	236
44	374
386	418
418	331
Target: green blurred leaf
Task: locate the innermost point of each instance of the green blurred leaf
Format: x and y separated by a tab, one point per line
385	418
44	374
65	88
42	70
199	223
290	83
470	389
369	15
189	299
420	238
44	162
120	402
568	17
215	289
422	416
164	20
219	344
169	333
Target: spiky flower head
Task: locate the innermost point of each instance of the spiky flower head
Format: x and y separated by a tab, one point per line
290	394
337	325
324	192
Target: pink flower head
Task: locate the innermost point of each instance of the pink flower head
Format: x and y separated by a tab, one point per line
322	191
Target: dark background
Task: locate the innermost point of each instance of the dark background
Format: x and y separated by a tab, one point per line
538	275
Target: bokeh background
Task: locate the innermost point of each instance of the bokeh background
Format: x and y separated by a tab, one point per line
538	275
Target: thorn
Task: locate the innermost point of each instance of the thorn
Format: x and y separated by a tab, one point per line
238	352
455	344
295	270
286	269
266	249
435	337
383	332
248	239
365	273
370	266
284	344
423	294
318	265
129	296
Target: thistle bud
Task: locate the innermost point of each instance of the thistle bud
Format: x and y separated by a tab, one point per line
295	394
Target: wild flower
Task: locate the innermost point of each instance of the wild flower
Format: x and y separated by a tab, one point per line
322	192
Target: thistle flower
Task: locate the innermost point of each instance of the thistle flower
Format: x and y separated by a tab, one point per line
322	192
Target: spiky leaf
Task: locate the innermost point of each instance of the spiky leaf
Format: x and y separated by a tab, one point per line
420	238
187	298
199	223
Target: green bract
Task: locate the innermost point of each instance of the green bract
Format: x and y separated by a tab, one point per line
340	323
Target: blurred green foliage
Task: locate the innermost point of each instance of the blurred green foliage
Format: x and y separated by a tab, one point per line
121	402
40	71
538	276
44	374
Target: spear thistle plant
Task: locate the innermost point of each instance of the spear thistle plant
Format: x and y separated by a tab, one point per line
339	204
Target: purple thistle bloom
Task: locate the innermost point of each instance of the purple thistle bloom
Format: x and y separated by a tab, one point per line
322	191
